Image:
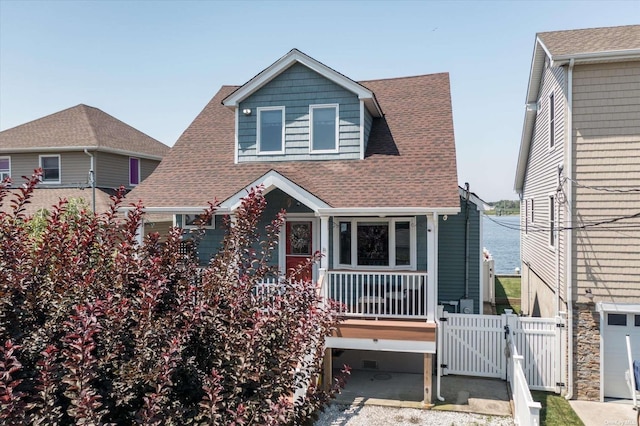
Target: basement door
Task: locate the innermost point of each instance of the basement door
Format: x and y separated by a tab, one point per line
299	247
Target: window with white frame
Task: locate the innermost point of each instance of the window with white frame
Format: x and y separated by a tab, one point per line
323	121
192	221
50	165
532	211
134	171
552	220
5	168
271	130
370	243
552	120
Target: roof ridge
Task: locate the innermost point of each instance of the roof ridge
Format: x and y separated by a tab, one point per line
90	123
404	77
589	29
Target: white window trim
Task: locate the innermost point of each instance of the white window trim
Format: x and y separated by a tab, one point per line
50	182
392	243
259	129
555	221
526	216
3	171
185	226
337	129
552	118
139	167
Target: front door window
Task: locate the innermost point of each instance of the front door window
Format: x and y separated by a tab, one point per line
298	248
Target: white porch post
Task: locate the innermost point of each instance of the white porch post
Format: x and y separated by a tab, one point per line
432	266
324	242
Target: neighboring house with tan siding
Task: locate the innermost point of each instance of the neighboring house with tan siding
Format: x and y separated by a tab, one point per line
578	176
78	149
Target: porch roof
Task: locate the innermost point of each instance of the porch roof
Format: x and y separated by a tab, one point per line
410	159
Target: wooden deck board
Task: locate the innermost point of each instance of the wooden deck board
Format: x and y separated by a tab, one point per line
387	329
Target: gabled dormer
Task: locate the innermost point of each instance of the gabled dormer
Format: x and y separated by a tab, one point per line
299	109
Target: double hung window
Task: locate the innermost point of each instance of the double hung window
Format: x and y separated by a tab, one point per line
5	168
552	121
50	165
324	128
271	130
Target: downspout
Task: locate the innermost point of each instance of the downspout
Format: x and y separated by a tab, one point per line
439	325
466	241
569	231
92	181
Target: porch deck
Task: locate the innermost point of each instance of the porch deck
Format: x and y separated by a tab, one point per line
378	294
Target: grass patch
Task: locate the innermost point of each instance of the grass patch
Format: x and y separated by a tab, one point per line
508	287
555	410
508	294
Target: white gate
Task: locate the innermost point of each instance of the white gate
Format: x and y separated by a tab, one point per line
475	345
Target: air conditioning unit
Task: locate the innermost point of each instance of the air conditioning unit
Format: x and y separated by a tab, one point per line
466	306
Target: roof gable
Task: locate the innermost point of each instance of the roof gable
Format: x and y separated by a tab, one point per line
410	162
78	128
295	56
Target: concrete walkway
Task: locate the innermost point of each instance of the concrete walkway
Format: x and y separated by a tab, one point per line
611	413
404	390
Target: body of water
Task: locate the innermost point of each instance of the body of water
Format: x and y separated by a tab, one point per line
502	242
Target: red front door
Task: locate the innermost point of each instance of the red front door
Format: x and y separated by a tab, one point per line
299	236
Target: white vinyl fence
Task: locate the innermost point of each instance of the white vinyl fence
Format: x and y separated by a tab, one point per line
526	411
476	345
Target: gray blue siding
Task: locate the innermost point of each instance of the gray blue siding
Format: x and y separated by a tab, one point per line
296	89
276	201
451	259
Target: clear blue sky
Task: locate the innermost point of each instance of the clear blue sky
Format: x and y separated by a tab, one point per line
155	64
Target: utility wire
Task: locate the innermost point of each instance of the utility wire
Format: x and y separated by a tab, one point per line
537	228
602	188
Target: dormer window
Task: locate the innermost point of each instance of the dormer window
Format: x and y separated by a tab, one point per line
271	130
324	128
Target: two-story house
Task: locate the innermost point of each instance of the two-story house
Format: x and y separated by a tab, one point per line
367	174
578	176
83	152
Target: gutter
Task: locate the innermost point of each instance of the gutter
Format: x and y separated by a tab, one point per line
569	231
386	211
81	148
178	210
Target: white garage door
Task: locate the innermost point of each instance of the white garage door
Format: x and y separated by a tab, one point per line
616	326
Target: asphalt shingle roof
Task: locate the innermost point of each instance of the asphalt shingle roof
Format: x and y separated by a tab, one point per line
80	126
591	40
410	159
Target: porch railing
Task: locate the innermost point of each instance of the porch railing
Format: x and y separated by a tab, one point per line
373	294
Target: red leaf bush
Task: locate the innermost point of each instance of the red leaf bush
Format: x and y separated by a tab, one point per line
97	329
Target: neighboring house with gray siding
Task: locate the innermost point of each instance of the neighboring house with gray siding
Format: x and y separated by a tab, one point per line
367	174
78	149
578	176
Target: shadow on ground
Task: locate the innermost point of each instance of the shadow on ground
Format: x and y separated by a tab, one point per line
461	393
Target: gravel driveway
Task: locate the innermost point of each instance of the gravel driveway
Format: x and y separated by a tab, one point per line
370	415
